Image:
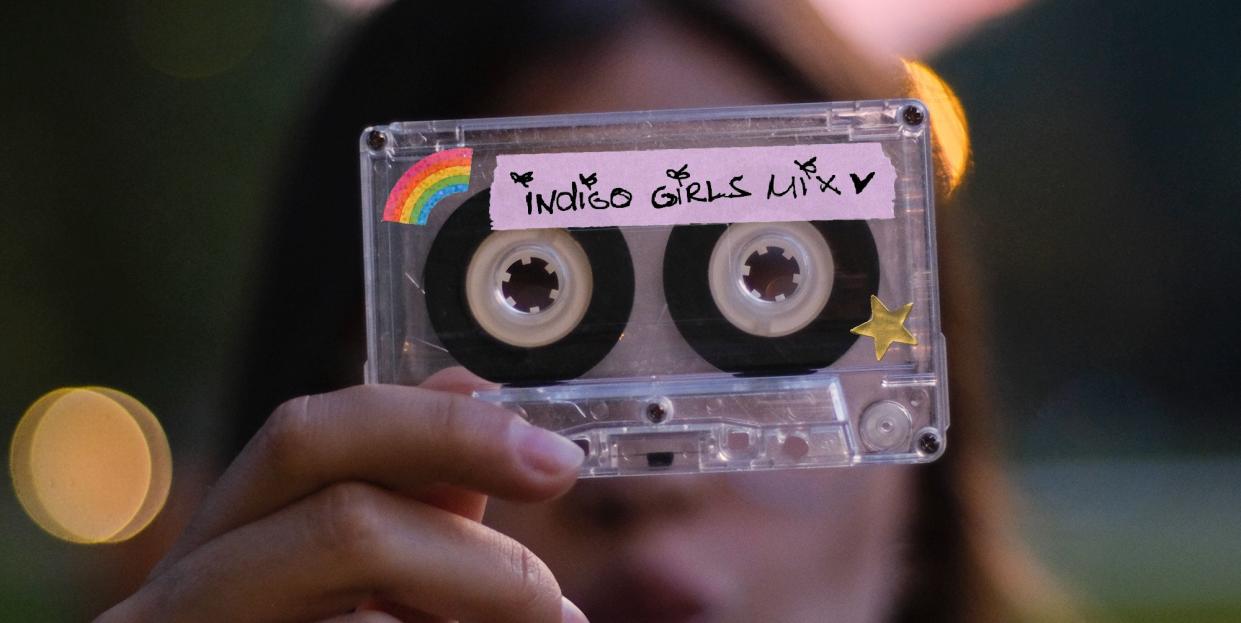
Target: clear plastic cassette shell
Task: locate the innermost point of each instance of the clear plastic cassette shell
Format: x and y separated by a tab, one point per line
653	403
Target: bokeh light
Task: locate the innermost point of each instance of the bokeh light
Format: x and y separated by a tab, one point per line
90	465
949	129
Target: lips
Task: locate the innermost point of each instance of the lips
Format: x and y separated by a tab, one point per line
653	599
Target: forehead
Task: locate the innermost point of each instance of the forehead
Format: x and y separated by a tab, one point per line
652	61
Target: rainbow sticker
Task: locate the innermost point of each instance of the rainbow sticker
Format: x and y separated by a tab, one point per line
431	179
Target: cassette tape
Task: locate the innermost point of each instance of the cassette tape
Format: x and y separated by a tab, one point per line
675	291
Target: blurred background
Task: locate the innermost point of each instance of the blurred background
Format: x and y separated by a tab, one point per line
140	148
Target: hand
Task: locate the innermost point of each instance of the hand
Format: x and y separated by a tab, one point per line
368	497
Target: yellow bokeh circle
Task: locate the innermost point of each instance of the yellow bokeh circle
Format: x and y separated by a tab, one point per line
90	465
949	129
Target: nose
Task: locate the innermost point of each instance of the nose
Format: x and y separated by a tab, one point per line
662	565
614	506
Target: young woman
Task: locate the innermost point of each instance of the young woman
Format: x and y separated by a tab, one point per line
364	504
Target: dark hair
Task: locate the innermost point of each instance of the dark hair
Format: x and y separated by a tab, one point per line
418	60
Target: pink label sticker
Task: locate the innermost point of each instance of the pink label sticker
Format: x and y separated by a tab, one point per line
683	186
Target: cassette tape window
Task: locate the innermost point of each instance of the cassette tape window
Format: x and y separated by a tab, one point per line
878	542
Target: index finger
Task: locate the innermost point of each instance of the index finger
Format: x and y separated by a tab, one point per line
405	439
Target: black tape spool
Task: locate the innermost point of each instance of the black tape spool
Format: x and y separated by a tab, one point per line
602	324
815	346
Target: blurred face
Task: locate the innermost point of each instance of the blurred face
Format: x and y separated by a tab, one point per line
814	545
817	545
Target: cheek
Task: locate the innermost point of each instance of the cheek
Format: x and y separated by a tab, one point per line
830	540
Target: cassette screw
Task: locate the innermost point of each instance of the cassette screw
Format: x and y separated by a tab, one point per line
928	443
656	412
376	140
912	115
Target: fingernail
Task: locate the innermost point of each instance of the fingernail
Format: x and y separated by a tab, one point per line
569	613
544	450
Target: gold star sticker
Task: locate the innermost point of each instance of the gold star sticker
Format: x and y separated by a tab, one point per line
885	326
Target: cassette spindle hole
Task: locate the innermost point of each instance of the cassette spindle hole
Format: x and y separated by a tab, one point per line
772	275
530	285
796	447
738	441
767	279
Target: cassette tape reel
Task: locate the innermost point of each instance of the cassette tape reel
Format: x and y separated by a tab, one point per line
763	298
526	306
677	291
